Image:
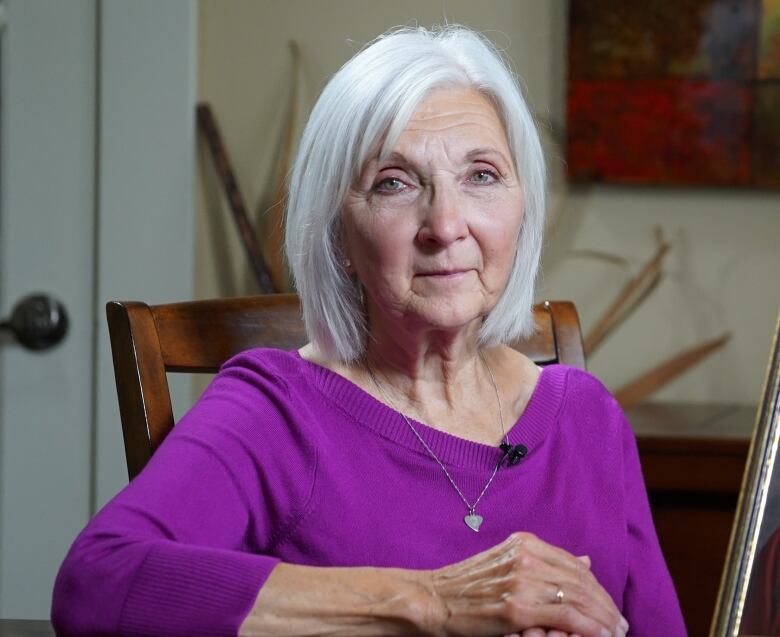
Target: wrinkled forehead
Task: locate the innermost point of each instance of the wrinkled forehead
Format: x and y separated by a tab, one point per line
464	118
437	108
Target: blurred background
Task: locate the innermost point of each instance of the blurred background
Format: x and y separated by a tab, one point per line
109	191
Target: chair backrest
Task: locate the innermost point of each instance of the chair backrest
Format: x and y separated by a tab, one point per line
147	341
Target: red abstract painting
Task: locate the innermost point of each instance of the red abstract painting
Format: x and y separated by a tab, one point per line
674	93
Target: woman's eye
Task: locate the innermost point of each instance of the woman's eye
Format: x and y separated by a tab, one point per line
484	177
390	184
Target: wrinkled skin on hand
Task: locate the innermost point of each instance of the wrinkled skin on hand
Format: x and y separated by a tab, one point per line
511	589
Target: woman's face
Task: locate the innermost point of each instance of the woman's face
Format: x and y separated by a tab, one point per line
431	230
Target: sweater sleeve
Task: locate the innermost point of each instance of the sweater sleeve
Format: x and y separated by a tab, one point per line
185	548
650	601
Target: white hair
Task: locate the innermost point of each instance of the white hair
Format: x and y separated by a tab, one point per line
359	115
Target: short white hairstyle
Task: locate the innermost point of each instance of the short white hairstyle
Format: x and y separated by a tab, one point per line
359	115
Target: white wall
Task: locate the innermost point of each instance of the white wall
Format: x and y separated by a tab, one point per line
722	271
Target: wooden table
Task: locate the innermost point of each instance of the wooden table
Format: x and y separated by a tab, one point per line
693	457
25	628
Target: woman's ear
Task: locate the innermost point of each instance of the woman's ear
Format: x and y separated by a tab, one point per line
342	252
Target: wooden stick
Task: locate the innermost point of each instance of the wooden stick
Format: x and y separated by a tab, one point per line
627	300
639	298
273	237
599	255
640	388
208	127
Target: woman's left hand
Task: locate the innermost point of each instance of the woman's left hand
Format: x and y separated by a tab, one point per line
541	632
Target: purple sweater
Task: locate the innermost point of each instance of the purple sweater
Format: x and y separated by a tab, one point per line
283	460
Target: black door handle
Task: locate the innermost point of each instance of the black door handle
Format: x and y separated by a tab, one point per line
37	321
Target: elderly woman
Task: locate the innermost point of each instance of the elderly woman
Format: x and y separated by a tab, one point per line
367	484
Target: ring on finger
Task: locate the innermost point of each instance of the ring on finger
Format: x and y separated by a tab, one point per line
559	596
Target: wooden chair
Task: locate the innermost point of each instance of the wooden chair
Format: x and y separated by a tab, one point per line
198	336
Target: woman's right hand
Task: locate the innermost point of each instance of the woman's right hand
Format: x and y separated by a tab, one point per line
521	585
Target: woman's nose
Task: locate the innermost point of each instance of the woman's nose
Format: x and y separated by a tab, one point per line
443	221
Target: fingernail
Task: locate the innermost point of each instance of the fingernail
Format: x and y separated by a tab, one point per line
605	633
623	624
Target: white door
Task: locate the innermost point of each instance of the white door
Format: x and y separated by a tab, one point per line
96	188
47	244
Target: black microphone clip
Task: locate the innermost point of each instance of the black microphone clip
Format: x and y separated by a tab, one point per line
515	454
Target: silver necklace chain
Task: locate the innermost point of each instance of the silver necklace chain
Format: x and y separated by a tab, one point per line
472	520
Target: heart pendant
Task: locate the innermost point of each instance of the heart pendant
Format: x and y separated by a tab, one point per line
473	521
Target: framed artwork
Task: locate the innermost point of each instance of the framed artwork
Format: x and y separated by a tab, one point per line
674	93
749	599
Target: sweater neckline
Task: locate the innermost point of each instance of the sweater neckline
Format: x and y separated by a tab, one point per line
536	420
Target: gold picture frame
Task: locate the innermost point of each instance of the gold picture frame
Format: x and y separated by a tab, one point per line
741	608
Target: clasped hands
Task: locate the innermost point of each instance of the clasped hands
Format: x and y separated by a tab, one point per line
523	586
